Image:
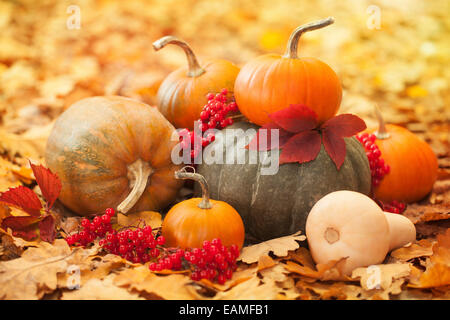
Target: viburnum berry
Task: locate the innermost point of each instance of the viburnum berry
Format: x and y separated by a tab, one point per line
394	207
214	115
214	262
378	167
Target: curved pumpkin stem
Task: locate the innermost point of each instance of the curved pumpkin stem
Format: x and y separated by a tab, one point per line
194	68
382	132
291	50
183	174
138	174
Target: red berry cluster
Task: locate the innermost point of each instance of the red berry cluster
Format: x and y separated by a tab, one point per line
394	207
214	113
90	231
213	116
378	167
214	261
137	245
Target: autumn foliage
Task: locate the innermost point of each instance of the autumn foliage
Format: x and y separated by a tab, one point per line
47	63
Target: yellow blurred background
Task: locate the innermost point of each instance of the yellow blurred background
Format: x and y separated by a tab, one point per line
52	53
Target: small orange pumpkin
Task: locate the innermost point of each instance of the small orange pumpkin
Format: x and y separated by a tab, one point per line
182	94
190	222
413	164
272	82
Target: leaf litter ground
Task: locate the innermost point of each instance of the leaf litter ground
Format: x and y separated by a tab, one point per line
398	67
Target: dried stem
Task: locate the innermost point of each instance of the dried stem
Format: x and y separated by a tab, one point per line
194	68
291	50
183	174
138	174
382	132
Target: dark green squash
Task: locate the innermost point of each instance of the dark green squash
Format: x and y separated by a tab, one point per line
276	205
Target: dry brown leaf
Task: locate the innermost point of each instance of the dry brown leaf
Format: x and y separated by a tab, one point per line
279	247
96	289
421	248
303	256
336	290
27	145
437	273
170	287
275	273
381	276
423	213
243	273
8	249
7	177
91	267
251	289
150	218
384	294
265	262
34	274
324	272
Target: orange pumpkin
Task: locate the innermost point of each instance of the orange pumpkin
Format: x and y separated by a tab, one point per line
195	220
113	152
413	164
272	82
182	94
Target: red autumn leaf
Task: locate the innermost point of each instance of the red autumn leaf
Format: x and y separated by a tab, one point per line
344	125
21	224
302	147
295	118
47	229
255	144
28	233
334	146
48	182
23	198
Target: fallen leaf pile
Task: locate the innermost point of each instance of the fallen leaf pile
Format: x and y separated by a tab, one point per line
45	66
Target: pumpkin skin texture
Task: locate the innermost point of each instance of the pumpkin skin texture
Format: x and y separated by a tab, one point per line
97	145
413	166
272	82
190	222
277	205
182	98
182	95
187	226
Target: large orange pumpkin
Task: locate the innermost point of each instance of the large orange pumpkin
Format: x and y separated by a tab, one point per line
182	94
413	164
195	220
113	152
272	82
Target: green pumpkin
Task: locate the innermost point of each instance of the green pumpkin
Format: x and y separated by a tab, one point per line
277	205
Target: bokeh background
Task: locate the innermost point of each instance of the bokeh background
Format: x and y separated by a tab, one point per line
399	61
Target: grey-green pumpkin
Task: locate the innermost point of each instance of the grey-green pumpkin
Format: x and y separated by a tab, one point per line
276	205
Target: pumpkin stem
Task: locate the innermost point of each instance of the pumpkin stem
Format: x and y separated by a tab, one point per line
183	174
291	50
138	174
382	132
194	69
